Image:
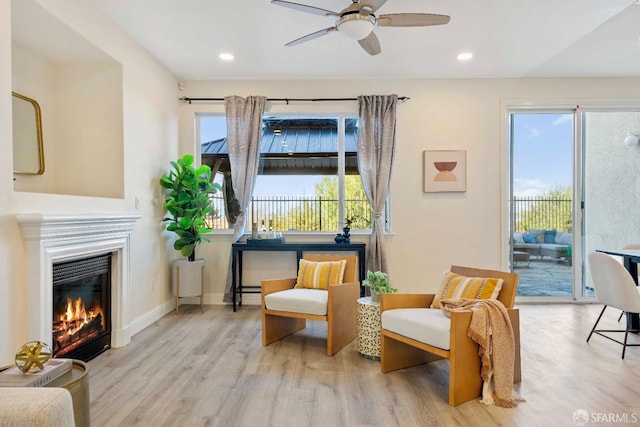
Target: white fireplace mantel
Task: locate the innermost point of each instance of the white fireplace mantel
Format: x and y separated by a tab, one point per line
52	238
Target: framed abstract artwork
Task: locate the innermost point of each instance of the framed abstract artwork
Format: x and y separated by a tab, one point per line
445	170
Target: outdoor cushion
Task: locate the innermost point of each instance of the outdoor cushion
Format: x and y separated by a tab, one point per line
563	238
427	325
518	237
539	235
529	239
553	246
550	236
309	301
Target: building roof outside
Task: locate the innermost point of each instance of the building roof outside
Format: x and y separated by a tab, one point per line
295	146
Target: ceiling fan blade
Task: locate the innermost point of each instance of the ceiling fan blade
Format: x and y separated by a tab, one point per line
371	44
305	8
311	36
374	4
412	20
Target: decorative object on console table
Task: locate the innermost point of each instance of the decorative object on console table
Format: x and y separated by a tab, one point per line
445	170
188	190
378	281
345	237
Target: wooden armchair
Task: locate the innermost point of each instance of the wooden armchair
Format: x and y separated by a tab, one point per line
465	383
337	306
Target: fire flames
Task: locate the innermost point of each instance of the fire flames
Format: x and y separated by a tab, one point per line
76	325
76	316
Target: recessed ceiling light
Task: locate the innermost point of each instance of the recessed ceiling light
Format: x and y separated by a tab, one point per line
465	56
226	56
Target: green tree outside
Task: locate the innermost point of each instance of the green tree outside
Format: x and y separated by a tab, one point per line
550	211
322	214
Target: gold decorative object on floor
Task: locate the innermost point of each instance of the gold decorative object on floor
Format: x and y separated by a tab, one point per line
32	356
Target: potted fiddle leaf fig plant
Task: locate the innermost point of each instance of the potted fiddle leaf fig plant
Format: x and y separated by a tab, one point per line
378	281
188	190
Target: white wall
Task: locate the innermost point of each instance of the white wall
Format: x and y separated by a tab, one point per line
80	96
32	76
431	231
149	126
612	184
88	130
8	237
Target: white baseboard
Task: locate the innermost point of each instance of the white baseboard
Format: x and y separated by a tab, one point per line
157	313
147	319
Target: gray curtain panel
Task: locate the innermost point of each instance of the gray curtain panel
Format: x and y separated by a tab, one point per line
376	147
244	129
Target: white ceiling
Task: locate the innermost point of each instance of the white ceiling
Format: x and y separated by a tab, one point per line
509	39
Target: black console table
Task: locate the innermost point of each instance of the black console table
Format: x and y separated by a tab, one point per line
237	249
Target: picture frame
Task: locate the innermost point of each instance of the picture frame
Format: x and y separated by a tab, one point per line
445	171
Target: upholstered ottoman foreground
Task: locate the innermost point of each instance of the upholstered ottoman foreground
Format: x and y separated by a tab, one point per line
35	406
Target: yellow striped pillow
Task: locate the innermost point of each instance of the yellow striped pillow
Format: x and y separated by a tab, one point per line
455	286
319	275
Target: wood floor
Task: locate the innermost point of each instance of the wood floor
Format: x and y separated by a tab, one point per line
210	369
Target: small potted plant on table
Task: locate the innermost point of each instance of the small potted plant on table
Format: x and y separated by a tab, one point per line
379	284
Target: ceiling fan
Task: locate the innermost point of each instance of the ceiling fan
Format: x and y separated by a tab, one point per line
357	20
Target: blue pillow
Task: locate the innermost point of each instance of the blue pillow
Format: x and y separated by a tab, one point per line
528	239
550	236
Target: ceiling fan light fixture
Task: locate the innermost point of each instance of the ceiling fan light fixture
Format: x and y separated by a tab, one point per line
356	26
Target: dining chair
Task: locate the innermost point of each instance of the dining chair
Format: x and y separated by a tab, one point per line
630	246
614	288
288	303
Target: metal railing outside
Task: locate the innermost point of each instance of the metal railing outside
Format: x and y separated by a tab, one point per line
302	213
540	212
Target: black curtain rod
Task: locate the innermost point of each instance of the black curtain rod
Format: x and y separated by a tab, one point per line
287	100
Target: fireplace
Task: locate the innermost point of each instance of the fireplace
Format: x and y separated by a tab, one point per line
81	326
54	241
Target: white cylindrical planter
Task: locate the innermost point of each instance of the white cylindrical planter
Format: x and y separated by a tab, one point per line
188	280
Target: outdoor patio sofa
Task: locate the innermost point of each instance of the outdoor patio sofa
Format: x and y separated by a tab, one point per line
544	243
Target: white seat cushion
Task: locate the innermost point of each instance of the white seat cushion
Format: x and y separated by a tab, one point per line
309	301
427	325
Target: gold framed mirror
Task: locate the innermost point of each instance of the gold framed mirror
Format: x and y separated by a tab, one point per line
28	152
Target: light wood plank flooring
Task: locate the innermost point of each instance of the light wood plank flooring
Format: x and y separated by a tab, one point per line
210	369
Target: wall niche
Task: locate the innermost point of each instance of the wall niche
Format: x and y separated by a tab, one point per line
79	90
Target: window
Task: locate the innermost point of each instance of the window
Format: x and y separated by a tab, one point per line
308	176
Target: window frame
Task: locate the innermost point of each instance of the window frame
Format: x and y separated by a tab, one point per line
341	119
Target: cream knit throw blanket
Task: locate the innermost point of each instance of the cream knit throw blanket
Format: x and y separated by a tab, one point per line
491	328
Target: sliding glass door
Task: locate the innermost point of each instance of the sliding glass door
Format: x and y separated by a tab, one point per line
541	203
574	189
611	182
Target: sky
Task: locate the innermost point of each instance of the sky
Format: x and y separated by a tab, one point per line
541	156
542	151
